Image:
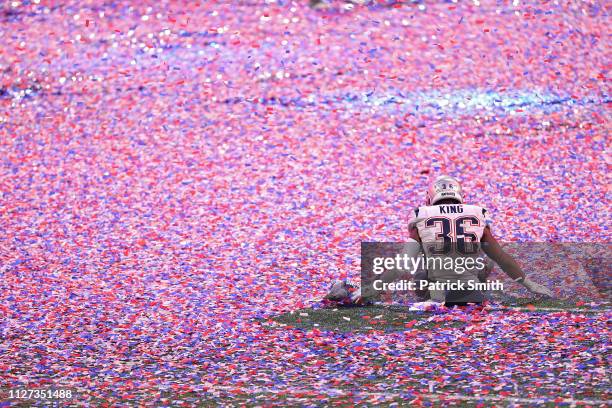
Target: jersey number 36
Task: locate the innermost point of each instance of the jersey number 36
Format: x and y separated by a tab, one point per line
452	233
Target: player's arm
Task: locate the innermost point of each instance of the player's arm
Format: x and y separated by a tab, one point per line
414	233
494	251
422	294
411	249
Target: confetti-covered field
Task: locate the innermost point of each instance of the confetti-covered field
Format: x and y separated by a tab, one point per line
177	177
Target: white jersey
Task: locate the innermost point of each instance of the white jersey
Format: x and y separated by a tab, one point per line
450	231
454	222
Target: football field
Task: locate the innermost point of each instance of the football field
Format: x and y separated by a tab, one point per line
180	182
435	346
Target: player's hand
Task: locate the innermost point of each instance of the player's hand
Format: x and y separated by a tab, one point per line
536	288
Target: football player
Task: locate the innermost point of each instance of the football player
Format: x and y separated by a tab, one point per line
445	222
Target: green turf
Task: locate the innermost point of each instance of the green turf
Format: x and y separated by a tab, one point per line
281	399
358	319
393	318
386	318
511	301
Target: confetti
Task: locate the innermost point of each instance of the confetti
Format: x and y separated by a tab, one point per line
174	176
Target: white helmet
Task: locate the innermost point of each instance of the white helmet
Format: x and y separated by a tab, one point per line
444	187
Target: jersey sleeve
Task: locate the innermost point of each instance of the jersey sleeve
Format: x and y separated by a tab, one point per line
486	216
416	216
